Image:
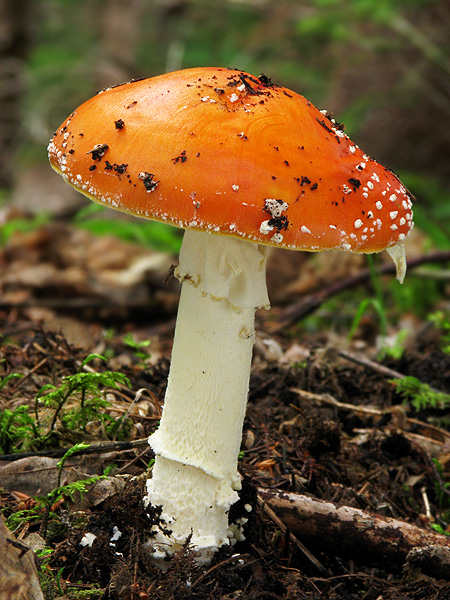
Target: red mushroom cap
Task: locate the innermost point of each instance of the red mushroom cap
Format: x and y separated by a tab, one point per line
224	151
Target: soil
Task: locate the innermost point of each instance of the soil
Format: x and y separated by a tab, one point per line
381	460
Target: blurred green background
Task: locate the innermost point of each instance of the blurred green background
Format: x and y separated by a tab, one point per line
380	65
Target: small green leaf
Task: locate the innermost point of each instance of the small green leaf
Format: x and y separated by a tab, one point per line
92	357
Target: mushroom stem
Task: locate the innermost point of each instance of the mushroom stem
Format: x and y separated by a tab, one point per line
197	443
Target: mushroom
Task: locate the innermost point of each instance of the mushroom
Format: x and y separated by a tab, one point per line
241	164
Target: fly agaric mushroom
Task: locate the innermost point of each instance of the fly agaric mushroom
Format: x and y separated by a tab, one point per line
240	164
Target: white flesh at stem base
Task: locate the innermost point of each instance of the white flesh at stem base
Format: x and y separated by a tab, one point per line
197	444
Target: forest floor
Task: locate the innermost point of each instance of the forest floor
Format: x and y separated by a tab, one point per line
325	422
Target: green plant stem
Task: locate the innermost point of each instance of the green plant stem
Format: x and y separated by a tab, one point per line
59	408
375	279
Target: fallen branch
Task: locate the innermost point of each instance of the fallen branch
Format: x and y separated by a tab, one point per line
354	533
310	303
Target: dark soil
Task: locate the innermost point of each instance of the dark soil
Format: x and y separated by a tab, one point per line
382	463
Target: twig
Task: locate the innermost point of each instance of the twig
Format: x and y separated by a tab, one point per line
423	491
93	449
136	398
218	566
284	529
366	362
374	366
376	412
329	399
442	275
125	468
25	377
